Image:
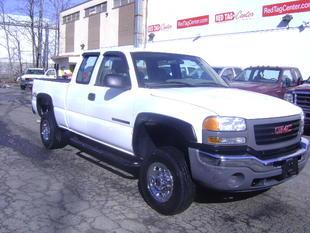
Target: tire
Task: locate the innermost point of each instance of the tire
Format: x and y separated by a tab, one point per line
22	87
51	135
169	164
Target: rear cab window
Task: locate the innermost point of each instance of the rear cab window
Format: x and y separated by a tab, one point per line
86	68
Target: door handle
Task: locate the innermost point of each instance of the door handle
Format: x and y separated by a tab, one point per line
91	96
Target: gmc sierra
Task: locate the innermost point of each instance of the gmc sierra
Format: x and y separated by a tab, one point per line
173	119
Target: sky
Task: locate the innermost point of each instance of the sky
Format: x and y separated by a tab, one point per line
16	6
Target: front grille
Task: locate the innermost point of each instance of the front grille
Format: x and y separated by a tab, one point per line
303	100
29	79
276	132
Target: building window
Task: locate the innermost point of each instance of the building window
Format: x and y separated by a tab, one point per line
71	18
96	9
118	3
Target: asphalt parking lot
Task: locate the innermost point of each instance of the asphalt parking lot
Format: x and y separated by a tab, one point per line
61	191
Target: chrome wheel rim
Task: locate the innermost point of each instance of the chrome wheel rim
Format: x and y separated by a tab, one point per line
160	182
46	130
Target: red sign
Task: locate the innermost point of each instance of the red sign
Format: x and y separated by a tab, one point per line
228	16
286	8
153	28
222	17
159	27
193	22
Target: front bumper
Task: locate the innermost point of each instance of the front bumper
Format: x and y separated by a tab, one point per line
244	172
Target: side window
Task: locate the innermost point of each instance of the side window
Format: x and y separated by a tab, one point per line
287	77
112	65
51	72
86	69
245	75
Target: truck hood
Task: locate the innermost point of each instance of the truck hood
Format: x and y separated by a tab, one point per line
34	76
230	102
303	87
264	88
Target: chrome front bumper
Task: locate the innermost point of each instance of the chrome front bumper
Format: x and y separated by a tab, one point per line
243	172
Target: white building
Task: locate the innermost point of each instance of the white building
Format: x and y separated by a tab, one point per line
242	33
92	25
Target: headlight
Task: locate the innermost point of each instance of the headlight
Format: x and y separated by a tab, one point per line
302	122
218	123
289	97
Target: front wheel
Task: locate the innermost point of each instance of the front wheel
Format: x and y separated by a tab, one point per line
51	135
165	182
22	87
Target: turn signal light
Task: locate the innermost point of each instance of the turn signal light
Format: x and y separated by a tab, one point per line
211	123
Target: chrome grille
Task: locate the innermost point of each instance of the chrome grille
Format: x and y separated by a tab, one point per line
303	100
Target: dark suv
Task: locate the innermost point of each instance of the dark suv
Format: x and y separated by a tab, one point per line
270	80
300	96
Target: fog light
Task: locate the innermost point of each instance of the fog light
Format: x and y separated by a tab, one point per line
236	180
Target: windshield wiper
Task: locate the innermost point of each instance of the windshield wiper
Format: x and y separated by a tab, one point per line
181	83
210	85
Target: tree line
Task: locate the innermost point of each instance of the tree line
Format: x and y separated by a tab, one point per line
38	24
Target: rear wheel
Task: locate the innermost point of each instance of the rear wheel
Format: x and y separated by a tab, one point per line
51	135
165	182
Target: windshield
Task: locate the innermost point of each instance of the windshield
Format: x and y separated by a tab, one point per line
34	71
162	70
260	75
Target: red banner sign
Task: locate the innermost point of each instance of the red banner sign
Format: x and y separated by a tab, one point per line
229	16
223	17
153	28
286	8
193	22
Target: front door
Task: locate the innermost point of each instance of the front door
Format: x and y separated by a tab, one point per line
110	110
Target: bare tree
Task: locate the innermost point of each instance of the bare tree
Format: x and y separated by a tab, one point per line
40	34
58	6
30	12
6	29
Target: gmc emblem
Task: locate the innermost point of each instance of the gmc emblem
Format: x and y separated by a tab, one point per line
283	129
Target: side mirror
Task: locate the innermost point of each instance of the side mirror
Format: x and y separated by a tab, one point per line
117	81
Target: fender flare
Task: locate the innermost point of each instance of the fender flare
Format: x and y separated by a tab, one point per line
181	128
44	100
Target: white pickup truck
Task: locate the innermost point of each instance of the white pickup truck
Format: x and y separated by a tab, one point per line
26	80
145	110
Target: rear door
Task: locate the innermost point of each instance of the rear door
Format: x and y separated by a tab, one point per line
110	110
77	95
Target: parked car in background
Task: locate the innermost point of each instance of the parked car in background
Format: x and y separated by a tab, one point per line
300	95
26	80
270	80
228	73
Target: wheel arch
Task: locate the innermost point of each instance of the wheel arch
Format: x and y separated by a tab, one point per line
153	130
44	103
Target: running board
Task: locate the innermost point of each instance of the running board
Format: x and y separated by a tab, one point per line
120	160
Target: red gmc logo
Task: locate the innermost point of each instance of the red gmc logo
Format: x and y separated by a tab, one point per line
283	129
